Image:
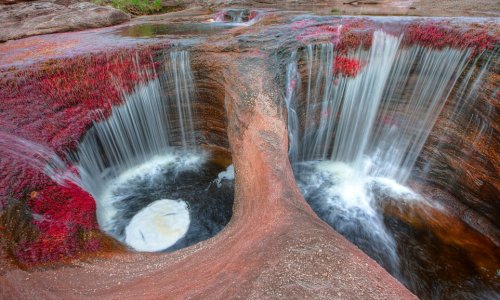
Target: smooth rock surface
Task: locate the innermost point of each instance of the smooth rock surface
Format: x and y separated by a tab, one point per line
484	8
158	226
273	247
40	17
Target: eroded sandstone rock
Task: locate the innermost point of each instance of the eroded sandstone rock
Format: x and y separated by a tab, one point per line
33	18
274	247
461	156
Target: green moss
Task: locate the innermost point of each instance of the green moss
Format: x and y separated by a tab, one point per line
335	11
135	7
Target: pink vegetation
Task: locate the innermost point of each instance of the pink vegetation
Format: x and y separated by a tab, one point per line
219	16
319	32
353	33
302	24
62	215
53	104
348	67
252	15
437	35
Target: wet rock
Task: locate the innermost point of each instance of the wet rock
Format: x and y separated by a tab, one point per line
461	158
33	18
274	247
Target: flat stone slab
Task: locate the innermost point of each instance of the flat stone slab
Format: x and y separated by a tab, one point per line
39	17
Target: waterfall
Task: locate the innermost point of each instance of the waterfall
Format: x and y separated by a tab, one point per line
293	83
357	123
181	76
152	134
238	17
142	128
396	143
379	120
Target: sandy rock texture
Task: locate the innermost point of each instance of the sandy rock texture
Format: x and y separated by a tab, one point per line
41	17
274	247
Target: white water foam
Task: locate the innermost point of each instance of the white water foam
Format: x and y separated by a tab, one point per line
349	200
158	226
228	174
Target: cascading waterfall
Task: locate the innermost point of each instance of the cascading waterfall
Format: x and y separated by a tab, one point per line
138	163
140	128
465	98
352	119
399	138
232	16
293	82
237	16
354	101
355	138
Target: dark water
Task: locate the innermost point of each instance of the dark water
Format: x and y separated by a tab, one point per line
435	255
442	263
151	30
210	206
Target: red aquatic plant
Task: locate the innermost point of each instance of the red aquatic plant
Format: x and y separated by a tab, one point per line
345	34
355	33
439	35
345	66
321	32
61	214
301	24
64	96
219	16
252	15
53	103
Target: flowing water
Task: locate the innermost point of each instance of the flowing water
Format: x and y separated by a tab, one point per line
37	156
168	202
141	127
384	114
144	169
151	30
355	138
234	16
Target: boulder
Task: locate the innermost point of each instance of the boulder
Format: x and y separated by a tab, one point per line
34	18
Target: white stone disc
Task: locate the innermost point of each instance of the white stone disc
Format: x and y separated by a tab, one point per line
158	226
